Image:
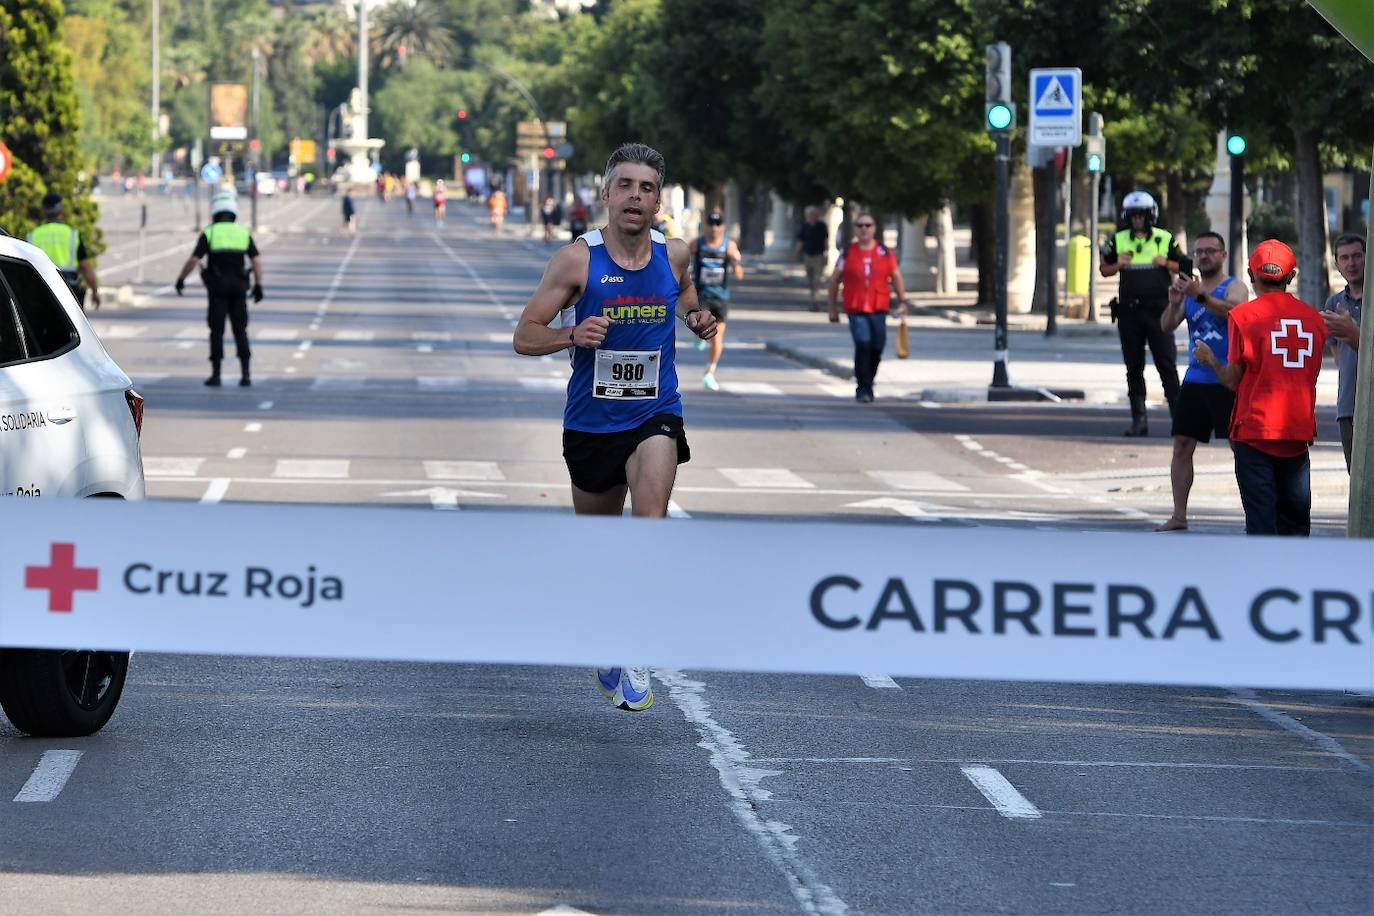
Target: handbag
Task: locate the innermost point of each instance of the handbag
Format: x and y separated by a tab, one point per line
903	342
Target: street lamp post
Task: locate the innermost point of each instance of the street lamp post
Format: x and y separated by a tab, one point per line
156	167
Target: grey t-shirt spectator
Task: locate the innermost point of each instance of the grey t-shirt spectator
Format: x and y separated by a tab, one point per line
813	237
1347	358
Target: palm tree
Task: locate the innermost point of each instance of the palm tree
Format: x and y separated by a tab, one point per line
408	27
334	36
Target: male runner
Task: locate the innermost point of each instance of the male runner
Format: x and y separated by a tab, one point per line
617	291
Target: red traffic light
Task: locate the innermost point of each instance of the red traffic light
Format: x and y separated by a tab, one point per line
462	114
549	152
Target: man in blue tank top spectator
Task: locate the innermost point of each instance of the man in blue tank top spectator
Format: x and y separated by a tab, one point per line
714	259
615	294
1204	403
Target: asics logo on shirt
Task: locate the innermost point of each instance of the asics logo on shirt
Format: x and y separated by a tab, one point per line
607	278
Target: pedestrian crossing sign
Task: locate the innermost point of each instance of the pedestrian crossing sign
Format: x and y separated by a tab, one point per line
1056	109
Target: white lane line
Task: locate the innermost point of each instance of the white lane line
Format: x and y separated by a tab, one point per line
265	405
171	467
253	428
276	334
766	477
353	334
741	782
49	776
236	453
463	470
564	910
542	384
676	511
215	491
441	382
304	345
1081	764
1003	795
880	682
915	480
462	262
1251	700
331	468
425	348
762	388
334	284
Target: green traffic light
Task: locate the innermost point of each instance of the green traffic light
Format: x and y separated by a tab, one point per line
467	157
1094	163
999	116
1235	145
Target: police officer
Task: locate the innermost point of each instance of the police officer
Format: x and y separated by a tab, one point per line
1145	256
225	244
63	244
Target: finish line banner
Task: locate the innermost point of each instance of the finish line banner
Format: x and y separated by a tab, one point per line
382	583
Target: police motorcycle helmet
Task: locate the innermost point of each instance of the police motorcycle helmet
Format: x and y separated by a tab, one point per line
52	205
224	202
1140	202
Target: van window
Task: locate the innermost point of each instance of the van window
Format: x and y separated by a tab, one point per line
44	323
11	347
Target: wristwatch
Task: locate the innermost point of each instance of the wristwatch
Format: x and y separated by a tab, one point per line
1202	297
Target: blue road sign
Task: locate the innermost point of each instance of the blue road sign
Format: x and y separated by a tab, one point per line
1056	106
210	172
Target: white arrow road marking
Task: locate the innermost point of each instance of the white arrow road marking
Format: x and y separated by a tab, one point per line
563	908
1002	794
446	497
880	682
908	507
53	770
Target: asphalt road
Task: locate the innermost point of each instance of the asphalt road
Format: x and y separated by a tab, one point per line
383	374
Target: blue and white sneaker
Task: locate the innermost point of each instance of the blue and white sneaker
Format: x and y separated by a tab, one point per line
607	680
635	692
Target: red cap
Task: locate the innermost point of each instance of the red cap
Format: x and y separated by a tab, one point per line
1273	261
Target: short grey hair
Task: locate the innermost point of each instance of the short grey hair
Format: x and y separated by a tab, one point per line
636	154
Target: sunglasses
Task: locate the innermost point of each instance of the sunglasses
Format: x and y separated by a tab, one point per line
863	225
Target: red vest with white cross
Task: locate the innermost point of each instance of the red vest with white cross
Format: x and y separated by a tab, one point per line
1279	339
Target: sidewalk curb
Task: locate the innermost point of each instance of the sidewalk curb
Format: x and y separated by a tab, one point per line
828	366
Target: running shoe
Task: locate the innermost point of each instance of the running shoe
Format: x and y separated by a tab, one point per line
709	380
635	692
607	680
701	344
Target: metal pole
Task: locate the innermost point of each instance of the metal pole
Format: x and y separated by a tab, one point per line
157	95
142	239
1360	522
1000	378
1236	229
1051	290
1092	252
362	64
255	157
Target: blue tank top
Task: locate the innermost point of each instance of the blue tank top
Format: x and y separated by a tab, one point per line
711	269
632	376
1203	325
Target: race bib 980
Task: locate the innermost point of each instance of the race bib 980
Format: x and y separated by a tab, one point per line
626	375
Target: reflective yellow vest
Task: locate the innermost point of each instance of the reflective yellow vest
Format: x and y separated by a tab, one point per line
1143	251
227	237
59	242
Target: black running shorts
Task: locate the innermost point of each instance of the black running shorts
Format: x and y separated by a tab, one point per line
596	461
1203	410
718	307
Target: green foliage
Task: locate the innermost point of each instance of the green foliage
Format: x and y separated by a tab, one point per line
110	71
416	108
41	118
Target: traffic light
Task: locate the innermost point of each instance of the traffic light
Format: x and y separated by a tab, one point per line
467	157
999	114
1097	153
462	114
549	152
1235	145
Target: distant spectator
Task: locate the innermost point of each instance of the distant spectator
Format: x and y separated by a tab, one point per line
551	214
1342	314
350	213
868	272
811	249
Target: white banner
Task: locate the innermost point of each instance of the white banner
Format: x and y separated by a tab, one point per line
385	583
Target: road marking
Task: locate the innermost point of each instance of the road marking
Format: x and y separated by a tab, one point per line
236	453
741	781
563	910
191	334
1250	700
1003	795
442	336
304	345
915	480
425	348
215	491
445	382
542	384
907	507
446	497
171	467
880	682
331	468
49	776
461	262
463	470
676	511
766	477
752	388
336	382
253	428
1078	764
348	334
265	405
118	331
276	334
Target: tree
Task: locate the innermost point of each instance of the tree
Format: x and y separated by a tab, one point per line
415	27
42	119
415	107
110	71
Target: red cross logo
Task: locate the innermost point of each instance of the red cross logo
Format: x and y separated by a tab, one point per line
62	577
1292	343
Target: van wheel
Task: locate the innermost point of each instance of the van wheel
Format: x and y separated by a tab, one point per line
58	693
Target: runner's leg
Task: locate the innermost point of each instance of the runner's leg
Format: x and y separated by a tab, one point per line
1181	479
612	502
652	470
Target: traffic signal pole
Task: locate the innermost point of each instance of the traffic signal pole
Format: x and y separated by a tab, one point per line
1236	229
1000	376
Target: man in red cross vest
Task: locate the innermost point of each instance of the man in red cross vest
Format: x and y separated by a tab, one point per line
1276	343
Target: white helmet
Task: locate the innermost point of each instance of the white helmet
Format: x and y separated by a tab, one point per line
224	202
1140	201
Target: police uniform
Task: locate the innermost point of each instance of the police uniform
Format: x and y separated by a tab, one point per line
626	390
63	245
228	250
1143	296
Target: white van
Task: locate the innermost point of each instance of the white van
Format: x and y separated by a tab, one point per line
70	422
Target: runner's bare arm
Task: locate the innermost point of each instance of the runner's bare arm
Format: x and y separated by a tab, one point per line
734	255
561	285
698	320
